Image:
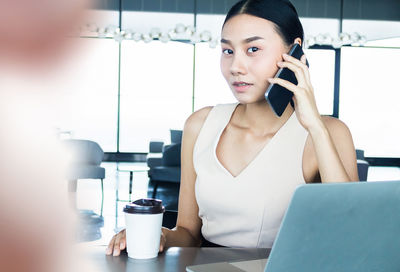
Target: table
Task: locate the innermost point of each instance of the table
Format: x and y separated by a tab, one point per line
131	169
173	259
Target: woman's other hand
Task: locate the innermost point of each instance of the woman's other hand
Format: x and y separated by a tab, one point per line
118	243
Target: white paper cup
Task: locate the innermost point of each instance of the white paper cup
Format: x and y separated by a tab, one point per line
143	219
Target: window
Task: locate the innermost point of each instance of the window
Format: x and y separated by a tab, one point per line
211	87
322	73
156	91
369	99
89	105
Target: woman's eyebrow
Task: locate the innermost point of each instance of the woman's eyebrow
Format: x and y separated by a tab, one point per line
248	40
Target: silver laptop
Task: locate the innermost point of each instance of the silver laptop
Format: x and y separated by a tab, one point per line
336	227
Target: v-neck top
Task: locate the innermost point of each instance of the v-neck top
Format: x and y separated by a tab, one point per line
246	210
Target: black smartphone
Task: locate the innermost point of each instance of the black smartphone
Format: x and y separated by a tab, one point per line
277	96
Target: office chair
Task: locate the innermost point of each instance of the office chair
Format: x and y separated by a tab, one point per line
169	171
84	163
362	165
154	157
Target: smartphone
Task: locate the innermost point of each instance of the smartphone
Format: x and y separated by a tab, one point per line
277	96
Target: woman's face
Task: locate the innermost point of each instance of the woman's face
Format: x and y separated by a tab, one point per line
251	49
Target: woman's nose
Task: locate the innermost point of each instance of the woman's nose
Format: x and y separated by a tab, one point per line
238	65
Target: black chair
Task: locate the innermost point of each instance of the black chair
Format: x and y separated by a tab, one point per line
154	157
85	158
169	219
176	136
170	169
166	169
84	163
362	165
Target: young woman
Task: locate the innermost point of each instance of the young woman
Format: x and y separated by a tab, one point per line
240	162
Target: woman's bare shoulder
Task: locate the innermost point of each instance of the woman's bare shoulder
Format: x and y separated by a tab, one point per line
335	125
196	120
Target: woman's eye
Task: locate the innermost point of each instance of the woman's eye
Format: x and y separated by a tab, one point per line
227	51
252	49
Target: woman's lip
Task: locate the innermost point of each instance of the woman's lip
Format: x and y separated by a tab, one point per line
241	89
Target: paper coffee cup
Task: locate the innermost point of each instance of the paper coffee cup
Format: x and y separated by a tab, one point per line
143	219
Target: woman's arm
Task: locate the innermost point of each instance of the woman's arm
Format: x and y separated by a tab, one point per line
334	151
332	141
188	226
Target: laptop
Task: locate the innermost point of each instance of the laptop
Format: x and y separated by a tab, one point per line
336	227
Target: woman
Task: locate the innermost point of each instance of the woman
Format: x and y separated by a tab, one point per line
240	162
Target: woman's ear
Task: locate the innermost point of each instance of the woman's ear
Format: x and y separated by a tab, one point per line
298	40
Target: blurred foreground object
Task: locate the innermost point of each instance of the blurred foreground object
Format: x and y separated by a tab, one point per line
36	222
35	31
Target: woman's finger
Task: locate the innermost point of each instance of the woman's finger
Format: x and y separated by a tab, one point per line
122	244
293	60
303	59
284	83
122	241
110	246
306	69
162	242
300	63
117	244
299	73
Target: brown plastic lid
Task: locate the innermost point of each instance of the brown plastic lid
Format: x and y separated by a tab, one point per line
145	206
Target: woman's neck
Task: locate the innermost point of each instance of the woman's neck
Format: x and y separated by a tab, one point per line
259	118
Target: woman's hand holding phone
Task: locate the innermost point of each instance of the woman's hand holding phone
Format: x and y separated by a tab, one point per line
304	99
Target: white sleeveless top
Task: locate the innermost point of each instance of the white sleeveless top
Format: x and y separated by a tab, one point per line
246	210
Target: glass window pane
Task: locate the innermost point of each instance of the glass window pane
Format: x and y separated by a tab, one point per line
145	22
211	87
322	73
317	26
89	105
369	99
390	42
372	29
156	91
211	23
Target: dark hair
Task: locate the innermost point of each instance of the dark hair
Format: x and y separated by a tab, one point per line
281	12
